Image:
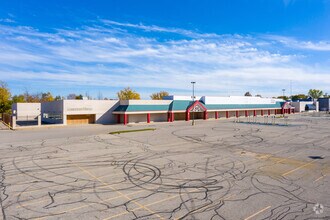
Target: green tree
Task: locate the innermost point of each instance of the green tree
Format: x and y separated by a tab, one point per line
283	97
299	96
158	95
315	93
57	98
18	98
127	94
79	96
5	103
247	94
46	97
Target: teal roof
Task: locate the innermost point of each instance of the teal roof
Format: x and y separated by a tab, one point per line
141	108
182	105
178	105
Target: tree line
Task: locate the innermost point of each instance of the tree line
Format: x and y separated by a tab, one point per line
7	99
312	93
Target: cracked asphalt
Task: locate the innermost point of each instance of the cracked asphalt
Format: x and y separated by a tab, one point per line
217	169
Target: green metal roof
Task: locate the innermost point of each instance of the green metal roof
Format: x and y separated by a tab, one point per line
179	105
182	105
141	108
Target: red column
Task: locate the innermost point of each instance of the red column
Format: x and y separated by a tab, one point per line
118	118
216	115
168	117
268	111
172	116
237	114
275	111
205	115
148	118
187	116
125	119
246	113
227	114
262	112
289	110
293	111
254	113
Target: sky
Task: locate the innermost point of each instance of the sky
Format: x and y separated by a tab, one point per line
228	47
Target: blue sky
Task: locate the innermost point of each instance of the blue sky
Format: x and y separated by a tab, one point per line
227	47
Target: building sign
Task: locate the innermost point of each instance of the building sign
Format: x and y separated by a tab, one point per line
80	109
197	108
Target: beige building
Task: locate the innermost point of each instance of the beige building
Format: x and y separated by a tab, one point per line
172	108
303	106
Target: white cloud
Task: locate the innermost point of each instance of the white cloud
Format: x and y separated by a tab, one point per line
7	20
304	45
111	57
154	28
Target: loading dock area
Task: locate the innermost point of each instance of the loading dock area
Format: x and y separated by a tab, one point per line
80	119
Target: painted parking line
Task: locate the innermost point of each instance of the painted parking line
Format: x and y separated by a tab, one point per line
88	205
118	192
207	206
35	190
321	177
298	168
257	213
41	200
150	204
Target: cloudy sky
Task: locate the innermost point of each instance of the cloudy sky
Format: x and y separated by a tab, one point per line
227	47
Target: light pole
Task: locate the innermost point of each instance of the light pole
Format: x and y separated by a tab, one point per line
193	98
283	90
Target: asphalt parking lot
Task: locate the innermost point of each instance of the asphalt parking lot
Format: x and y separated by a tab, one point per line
217	169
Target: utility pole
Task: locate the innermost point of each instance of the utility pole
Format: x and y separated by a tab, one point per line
291	89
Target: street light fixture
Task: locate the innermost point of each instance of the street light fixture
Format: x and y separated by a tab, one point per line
193	98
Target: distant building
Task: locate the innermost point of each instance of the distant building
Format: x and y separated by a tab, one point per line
304	105
170	109
324	104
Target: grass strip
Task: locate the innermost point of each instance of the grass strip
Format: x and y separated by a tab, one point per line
137	130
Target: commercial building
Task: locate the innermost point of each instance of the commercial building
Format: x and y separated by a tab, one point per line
171	108
324	104
26	111
79	112
305	105
183	108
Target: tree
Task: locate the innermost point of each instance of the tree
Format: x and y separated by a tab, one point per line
5	103
18	98
283	97
315	93
158	95
299	96
247	94
258	96
46	97
71	96
79	97
127	94
57	98
31	97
